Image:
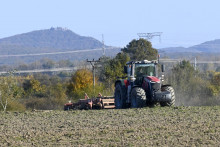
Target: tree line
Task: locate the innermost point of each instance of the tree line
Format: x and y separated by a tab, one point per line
42	91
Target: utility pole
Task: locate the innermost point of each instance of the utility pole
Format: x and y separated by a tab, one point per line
93	63
195	64
103	46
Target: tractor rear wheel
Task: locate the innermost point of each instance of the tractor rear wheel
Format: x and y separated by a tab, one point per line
138	97
171	90
120	97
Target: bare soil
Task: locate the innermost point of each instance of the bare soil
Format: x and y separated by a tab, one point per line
158	126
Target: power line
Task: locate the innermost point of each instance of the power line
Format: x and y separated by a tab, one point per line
75	68
191	61
56	53
43	70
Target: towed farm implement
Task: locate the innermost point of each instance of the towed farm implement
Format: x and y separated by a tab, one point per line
105	102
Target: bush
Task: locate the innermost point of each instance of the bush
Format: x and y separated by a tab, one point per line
191	87
16	106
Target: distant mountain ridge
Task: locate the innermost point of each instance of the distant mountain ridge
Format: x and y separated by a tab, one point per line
206	47
49	40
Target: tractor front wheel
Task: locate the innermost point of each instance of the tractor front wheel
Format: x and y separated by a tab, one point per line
171	90
138	97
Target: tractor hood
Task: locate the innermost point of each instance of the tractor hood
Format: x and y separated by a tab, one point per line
153	79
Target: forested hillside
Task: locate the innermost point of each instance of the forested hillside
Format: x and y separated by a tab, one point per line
49	40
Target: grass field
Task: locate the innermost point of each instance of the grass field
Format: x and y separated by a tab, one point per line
159	126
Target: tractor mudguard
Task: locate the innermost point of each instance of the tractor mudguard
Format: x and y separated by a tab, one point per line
123	83
166	85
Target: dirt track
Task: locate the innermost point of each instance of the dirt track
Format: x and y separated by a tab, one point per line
177	126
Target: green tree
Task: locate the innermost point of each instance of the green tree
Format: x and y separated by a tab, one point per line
190	88
9	91
47	63
58	95
114	68
65	63
33	87
140	50
214	86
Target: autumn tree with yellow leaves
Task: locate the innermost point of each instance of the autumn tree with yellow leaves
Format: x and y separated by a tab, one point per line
82	82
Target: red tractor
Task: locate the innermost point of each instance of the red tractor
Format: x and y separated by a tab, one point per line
142	86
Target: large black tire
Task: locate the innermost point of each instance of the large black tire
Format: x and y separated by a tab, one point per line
120	97
171	90
138	97
66	108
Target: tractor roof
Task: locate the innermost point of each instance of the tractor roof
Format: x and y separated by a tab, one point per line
142	62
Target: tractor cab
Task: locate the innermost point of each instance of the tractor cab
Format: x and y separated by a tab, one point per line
139	69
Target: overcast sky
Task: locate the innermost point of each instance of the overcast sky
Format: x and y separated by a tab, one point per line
183	23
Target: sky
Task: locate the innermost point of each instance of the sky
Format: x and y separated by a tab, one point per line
182	23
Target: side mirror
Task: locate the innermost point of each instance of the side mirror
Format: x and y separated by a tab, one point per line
125	69
163	68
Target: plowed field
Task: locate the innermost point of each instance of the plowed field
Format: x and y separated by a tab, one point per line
159	126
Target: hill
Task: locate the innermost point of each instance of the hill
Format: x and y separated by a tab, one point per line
49	41
54	39
207	51
206	47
